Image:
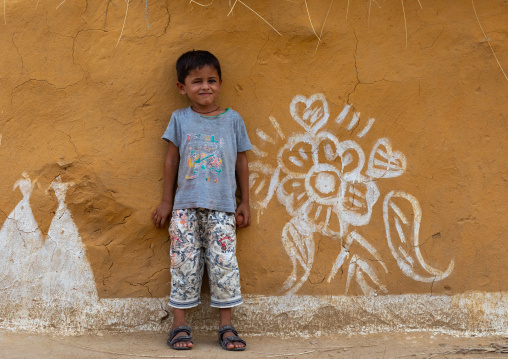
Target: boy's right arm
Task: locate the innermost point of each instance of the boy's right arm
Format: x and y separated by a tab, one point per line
164	209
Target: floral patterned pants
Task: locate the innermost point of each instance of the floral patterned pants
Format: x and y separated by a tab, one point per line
200	236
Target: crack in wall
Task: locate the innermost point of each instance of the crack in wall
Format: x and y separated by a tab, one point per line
434	42
44	81
356	68
141	284
72	143
359	82
20	56
160	270
123	221
73	52
110	274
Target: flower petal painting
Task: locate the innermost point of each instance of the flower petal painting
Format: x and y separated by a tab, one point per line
328	186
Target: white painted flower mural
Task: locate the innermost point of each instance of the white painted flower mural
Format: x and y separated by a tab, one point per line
327	188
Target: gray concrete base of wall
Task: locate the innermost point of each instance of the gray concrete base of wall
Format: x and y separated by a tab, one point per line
290	315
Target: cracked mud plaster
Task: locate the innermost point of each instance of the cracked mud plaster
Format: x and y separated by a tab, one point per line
74	105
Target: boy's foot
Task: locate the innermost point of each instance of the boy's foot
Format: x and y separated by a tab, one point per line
229	339
180	338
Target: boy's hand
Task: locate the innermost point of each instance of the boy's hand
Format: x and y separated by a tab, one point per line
161	214
242	215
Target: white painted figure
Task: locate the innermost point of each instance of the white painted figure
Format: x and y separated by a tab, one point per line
48	284
20	239
67	276
54	270
325	188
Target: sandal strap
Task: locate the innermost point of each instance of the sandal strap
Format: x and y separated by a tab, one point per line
227	328
231	339
180	329
182	338
234	339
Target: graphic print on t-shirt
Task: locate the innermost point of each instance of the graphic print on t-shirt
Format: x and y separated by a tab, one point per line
205	155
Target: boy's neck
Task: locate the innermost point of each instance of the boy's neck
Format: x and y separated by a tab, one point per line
206	110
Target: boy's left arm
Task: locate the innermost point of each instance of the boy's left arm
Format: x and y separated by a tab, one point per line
242	173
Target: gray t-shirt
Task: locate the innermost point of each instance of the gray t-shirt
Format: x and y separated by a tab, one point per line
208	146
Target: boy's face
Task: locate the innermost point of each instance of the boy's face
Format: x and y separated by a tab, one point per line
202	86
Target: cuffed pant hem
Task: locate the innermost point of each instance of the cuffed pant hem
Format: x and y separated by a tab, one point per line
226	304
184	305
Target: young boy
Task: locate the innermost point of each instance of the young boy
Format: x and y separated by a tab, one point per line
206	154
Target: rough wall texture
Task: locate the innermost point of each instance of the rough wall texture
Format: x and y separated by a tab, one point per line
378	179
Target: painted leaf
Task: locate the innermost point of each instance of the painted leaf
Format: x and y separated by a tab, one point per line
402	228
363	273
299	245
352	238
263	181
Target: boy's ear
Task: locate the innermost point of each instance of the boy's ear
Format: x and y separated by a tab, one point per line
181	88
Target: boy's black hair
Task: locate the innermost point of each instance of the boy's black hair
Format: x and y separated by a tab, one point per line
195	59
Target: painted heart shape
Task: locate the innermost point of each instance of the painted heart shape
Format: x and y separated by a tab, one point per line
315	112
384	162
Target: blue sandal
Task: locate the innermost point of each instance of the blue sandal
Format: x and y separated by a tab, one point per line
183	338
224	342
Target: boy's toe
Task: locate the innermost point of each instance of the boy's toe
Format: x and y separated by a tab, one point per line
183	344
230	340
186	342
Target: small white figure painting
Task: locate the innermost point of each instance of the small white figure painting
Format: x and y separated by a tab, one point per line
51	269
47	283
329	187
20	240
67	274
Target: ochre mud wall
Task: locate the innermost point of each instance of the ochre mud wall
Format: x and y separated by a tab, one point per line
378	178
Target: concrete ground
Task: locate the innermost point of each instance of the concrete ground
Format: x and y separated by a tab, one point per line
153	345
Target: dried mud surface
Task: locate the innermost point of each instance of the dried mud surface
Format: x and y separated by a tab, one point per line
78	102
151	345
